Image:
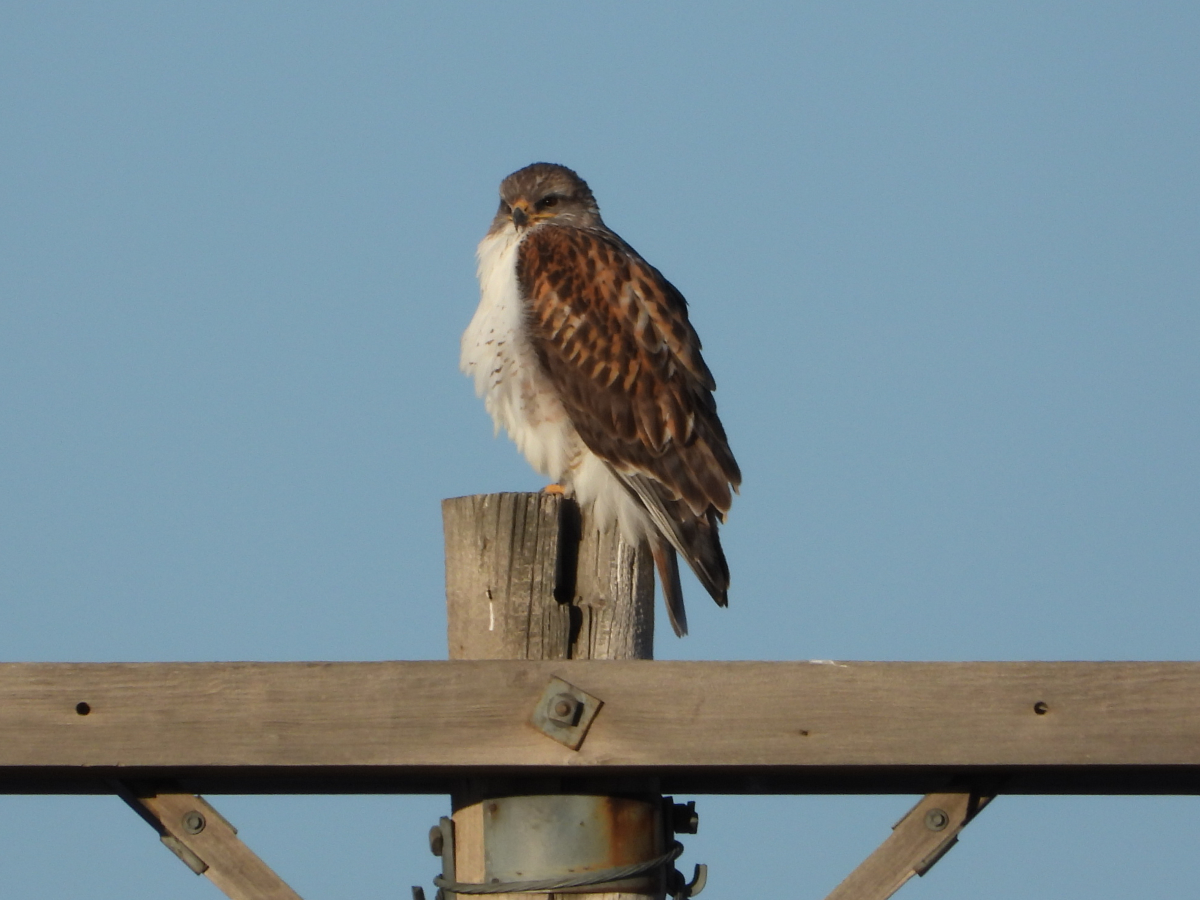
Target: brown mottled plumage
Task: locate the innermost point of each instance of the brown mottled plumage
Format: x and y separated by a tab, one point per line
586	356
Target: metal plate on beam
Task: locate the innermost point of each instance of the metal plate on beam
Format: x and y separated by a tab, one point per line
565	713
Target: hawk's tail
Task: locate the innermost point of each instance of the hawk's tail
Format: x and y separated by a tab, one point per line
694	537
667	563
702	550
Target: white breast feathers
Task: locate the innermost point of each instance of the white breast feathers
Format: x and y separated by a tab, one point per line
497	355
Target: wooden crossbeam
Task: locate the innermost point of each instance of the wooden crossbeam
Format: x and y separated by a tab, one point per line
701	727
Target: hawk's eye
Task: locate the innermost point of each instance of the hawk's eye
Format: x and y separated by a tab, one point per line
547	202
505	209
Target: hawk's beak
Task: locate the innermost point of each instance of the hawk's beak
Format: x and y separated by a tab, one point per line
520	215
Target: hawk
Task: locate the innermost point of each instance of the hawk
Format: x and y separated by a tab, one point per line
584	354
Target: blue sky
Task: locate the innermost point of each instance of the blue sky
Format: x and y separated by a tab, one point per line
943	258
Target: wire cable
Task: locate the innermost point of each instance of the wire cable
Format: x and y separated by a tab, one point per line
585	879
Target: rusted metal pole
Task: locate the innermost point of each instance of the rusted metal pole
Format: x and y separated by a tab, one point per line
530	577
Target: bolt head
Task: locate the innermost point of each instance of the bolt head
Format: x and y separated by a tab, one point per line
193	821
437	840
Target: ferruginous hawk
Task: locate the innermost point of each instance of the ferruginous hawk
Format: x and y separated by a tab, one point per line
584	354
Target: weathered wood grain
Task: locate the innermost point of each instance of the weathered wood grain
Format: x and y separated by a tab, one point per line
613	596
504	577
701	727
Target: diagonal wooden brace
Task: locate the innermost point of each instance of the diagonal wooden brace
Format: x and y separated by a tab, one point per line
917	841
207	844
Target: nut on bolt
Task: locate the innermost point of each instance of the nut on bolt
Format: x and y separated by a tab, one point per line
437	840
564	710
193	821
936	819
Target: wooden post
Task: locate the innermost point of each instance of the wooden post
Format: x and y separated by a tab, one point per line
530	577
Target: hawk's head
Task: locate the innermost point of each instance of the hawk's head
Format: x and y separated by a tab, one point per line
545	192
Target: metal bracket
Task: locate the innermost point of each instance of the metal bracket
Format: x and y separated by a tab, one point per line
565	713
682	818
680	891
441	843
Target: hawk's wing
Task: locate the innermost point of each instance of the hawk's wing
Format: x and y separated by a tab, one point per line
615	340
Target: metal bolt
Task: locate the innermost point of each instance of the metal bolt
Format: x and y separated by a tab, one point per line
564	710
437	840
936	819
193	821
